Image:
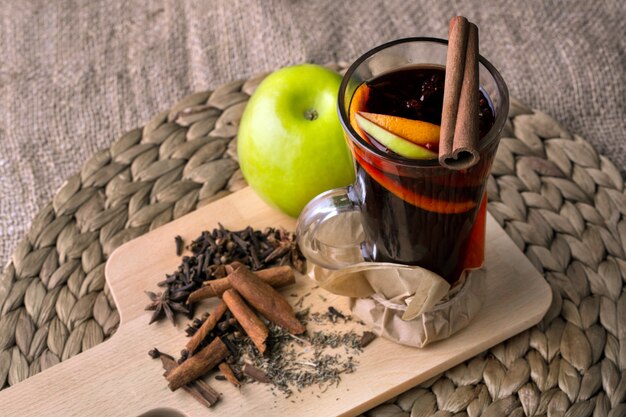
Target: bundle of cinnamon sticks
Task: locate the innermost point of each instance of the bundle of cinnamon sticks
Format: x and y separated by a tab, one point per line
459	134
277	277
243	294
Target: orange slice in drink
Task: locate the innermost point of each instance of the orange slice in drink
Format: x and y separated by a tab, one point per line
475	252
416	131
359	99
418	200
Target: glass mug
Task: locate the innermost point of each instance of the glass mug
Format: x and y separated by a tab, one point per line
412	212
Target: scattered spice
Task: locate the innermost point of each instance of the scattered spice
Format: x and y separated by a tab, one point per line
205	327
212	252
291	363
154	353
256	373
277	277
165	304
180	245
253	334
197	365
228	374
334	314
193	327
290	367
368	337
265	299
301	300
184	355
199	389
253	326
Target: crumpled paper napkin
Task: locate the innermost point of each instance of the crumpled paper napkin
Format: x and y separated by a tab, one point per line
407	304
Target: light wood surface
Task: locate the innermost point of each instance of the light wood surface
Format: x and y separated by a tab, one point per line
118	378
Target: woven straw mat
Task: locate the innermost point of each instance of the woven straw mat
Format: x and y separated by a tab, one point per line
561	203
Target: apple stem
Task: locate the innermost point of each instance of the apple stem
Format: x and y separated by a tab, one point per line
310	114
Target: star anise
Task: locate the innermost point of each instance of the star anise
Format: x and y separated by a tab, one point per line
163	304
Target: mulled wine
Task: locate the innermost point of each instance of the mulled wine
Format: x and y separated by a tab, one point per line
433	217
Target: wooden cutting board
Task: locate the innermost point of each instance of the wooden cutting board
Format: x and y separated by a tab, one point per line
118	378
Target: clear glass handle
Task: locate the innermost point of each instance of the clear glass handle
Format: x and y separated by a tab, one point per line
329	229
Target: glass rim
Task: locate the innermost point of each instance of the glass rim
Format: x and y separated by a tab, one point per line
485	142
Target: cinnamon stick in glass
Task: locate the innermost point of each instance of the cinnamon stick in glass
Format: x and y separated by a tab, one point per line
466	131
277	277
458	137
249	321
265	299
206	328
198	364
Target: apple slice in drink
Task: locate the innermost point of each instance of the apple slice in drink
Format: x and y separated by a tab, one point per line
394	142
417	131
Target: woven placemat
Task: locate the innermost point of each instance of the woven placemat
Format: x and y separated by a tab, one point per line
561	203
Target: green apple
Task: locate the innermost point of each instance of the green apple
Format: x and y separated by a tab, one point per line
290	142
394	142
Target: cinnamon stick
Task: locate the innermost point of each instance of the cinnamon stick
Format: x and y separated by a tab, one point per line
228	373
466	131
459	119
197	365
251	323
455	62
277	277
367	338
206	328
265	299
256	374
199	389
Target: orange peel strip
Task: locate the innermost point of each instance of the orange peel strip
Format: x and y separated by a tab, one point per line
421	201
359	99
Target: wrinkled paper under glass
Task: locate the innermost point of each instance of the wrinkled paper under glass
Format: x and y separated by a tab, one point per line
407	304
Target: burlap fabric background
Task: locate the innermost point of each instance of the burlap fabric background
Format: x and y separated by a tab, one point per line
74	75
